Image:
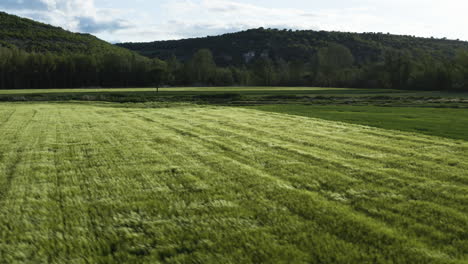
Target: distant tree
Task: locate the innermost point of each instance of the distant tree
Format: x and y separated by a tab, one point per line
201	68
461	70
398	68
223	77
158	73
297	72
174	68
265	72
241	76
283	72
332	60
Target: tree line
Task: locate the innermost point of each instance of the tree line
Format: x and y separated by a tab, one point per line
24	70
331	66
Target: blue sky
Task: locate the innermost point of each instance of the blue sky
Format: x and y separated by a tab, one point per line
148	20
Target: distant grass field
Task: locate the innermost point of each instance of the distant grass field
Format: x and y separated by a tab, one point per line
443	122
315	90
89	183
239	90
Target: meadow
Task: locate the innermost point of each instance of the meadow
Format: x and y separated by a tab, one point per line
104	182
442	122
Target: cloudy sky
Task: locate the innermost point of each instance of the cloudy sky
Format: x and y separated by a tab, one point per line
148	20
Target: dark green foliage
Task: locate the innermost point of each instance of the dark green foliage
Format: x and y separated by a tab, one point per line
23	70
264	72
331	59
201	68
461	71
229	49
397	65
333	64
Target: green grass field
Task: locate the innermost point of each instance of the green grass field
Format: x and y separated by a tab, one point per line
442	122
112	183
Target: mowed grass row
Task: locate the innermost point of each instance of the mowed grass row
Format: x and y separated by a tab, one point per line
83	183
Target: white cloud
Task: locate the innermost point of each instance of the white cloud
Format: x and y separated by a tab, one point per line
192	18
74	15
189	18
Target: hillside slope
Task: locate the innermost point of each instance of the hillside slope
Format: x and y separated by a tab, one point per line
241	47
34	55
33	36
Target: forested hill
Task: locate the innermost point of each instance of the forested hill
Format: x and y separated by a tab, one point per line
36	55
239	48
32	36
